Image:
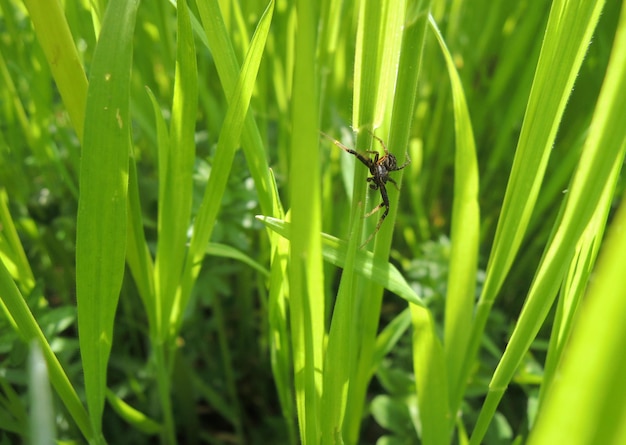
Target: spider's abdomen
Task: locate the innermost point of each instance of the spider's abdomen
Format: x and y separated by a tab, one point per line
382	172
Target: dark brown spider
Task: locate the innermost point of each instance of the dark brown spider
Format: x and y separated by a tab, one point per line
379	168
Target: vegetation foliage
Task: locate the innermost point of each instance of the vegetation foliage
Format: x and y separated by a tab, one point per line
180	249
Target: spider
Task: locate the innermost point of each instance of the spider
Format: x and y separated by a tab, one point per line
379	168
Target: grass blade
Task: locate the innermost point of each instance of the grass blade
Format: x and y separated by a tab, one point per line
15	308
228	70
54	35
566	39
430	378
227	144
464	235
306	278
595	411
176	162
335	251
11	251
595	176
101	225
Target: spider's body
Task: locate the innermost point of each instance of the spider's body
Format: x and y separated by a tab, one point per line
379	168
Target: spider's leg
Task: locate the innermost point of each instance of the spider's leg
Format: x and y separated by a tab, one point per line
374	184
380	223
407	162
390	179
359	156
374	210
380	141
338	144
385	203
376	155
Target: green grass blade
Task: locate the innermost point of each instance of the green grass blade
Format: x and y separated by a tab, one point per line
389	337
226	251
574	288
367	64
11	251
15	307
176	163
409	40
595	176
280	345
430	378
595	410
101	225
133	417
566	39
464	235
228	70
341	357
335	251
306	277
138	255
54	35
226	147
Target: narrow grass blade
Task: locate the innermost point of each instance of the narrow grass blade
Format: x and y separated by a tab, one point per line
15	416
566	39
133	417
176	160
602	155
406	35
226	147
228	69
11	251
14	305
101	225
341	355
378	271
138	255
280	345
574	287
306	277
430	378
226	251
464	235
389	337
596	409
55	38
367	64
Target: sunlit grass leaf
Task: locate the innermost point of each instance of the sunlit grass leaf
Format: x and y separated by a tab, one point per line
226	147
464	233
595	176
280	346
11	251
101	225
177	152
138	255
334	250
219	42
307	302
15	308
431	378
226	251
595	411
57	42
134	417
